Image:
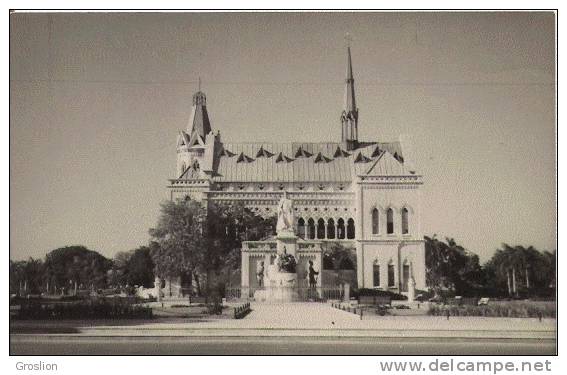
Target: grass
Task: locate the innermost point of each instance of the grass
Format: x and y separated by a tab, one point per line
504	309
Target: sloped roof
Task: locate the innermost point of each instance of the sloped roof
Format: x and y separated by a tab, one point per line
315	162
199	124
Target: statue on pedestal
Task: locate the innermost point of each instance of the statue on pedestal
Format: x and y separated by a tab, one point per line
312	275
260	274
285	215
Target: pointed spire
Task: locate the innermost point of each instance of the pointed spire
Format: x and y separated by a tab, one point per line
350	100
199	123
349	117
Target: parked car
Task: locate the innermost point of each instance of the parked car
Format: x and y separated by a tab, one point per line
483	301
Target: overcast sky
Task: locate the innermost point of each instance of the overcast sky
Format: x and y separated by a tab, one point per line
97	101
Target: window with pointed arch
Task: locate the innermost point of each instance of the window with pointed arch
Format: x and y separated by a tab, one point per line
350	229
311	229
405	224
320	229
341	229
390	221
375	221
331	229
391	275
183	168
301	227
376	275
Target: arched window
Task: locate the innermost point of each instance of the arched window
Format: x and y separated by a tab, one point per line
311	229
341	229
376	275
320	228
390	221
375	221
183	168
350	229
331	229
301	227
405	277
391	275
405	227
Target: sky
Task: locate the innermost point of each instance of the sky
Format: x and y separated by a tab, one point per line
97	101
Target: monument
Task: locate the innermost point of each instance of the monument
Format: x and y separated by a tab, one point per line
281	277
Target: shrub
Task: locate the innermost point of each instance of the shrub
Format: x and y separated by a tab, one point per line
378	293
510	309
86	309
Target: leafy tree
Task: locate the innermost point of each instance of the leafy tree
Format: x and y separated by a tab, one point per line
27	276
140	268
116	276
515	270
72	265
203	243
178	246
134	267
338	257
452	267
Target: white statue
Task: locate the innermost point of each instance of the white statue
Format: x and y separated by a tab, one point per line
285	215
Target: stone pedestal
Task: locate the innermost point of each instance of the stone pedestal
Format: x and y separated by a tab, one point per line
281	286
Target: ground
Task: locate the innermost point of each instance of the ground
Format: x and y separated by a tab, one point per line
296	328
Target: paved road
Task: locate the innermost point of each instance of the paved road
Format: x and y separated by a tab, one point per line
81	345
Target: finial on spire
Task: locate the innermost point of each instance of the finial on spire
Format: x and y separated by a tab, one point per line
348	39
199	83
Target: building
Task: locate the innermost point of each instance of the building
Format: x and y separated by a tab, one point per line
360	192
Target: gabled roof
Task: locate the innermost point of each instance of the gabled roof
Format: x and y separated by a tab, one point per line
387	165
190	174
305	168
264	153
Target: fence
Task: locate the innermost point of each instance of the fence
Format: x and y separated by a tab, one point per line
241	311
300	294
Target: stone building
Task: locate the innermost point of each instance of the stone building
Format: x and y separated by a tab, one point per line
362	193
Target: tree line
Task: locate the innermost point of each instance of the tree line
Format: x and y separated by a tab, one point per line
202	245
513	271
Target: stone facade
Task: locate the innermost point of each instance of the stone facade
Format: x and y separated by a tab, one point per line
361	193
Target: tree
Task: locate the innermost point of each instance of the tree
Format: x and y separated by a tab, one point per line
73	266
337	257
140	268
515	270
178	245
116	276
134	267
27	276
202	243
452	267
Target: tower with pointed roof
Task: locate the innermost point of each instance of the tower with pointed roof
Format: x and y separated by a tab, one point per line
192	159
349	116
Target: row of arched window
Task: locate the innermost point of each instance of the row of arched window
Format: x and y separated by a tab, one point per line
390	221
391	278
326	229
